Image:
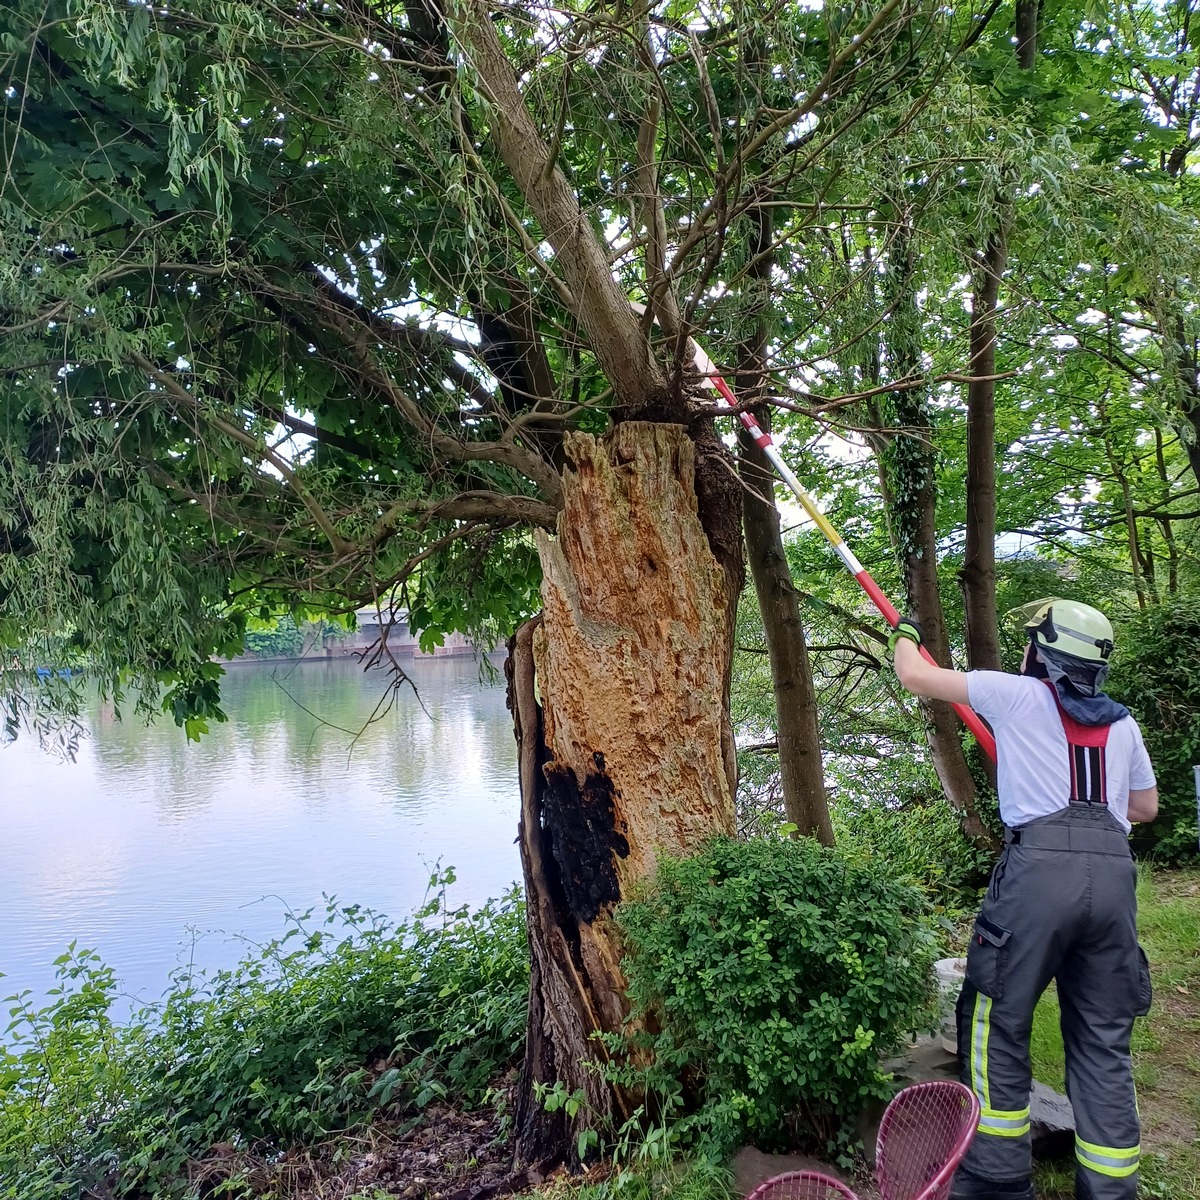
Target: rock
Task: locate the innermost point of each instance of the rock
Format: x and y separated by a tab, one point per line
1051	1123
751	1167
925	1059
950	974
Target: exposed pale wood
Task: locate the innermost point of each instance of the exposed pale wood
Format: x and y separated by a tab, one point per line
621	745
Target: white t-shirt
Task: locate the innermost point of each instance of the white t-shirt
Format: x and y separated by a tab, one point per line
1033	770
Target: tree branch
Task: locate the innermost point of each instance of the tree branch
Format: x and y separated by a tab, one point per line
340	546
601	307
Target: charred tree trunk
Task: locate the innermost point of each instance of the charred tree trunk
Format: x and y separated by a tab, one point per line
978	575
619	698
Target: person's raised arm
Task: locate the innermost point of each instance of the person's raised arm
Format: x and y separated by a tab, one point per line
920	677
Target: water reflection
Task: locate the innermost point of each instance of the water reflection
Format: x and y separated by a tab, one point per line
146	836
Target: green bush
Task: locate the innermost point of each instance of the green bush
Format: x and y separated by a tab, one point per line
1156	673
770	977
917	840
283	639
308	1035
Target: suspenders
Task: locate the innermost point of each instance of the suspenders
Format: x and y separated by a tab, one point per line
1085	757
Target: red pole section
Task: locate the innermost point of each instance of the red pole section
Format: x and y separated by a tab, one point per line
887	609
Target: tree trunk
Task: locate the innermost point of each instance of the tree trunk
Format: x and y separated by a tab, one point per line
978	575
919	563
913	488
797	732
796	729
620	703
1026	30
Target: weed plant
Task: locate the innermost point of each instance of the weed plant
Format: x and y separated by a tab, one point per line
311	1034
769	978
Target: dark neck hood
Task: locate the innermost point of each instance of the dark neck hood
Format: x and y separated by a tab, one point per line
1100	709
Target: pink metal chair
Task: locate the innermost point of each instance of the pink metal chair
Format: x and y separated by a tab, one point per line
924	1134
801	1185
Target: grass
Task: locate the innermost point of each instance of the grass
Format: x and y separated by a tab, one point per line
1166	1045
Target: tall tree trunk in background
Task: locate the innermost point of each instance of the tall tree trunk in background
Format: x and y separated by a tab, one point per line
623	732
797	731
913	487
1027	31
978	575
1183	364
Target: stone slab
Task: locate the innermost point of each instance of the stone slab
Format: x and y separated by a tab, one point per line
751	1167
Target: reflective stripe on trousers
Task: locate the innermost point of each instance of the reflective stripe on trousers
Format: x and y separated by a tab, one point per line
996	1122
1112	1161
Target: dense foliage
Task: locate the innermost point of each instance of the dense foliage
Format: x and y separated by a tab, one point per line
343	1016
1157	675
298	305
772	976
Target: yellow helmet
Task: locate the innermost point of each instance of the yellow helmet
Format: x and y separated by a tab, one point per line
1068	627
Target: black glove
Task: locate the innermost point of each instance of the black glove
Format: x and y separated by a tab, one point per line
905	627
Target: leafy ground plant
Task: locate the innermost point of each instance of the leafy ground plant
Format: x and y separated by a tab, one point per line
769	978
344	1015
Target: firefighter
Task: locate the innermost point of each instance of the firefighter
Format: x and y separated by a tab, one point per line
1072	773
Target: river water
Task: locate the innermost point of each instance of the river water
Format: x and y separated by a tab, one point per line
154	851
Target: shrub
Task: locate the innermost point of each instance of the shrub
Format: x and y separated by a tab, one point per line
918	841
306	1036
1156	673
770	977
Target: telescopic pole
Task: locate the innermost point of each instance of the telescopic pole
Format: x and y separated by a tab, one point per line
713	380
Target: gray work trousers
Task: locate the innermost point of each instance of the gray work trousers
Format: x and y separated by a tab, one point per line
1061	905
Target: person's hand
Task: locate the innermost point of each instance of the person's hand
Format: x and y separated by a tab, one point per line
908	629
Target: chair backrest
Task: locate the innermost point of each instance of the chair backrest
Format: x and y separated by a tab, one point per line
801	1185
925	1132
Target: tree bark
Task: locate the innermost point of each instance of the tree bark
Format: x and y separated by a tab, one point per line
597	299
919	563
622	742
1027	30
978	575
913	488
797	731
801	771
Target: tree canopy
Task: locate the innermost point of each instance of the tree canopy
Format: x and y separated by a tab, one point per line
298	301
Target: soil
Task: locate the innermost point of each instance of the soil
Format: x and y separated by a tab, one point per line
450	1155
